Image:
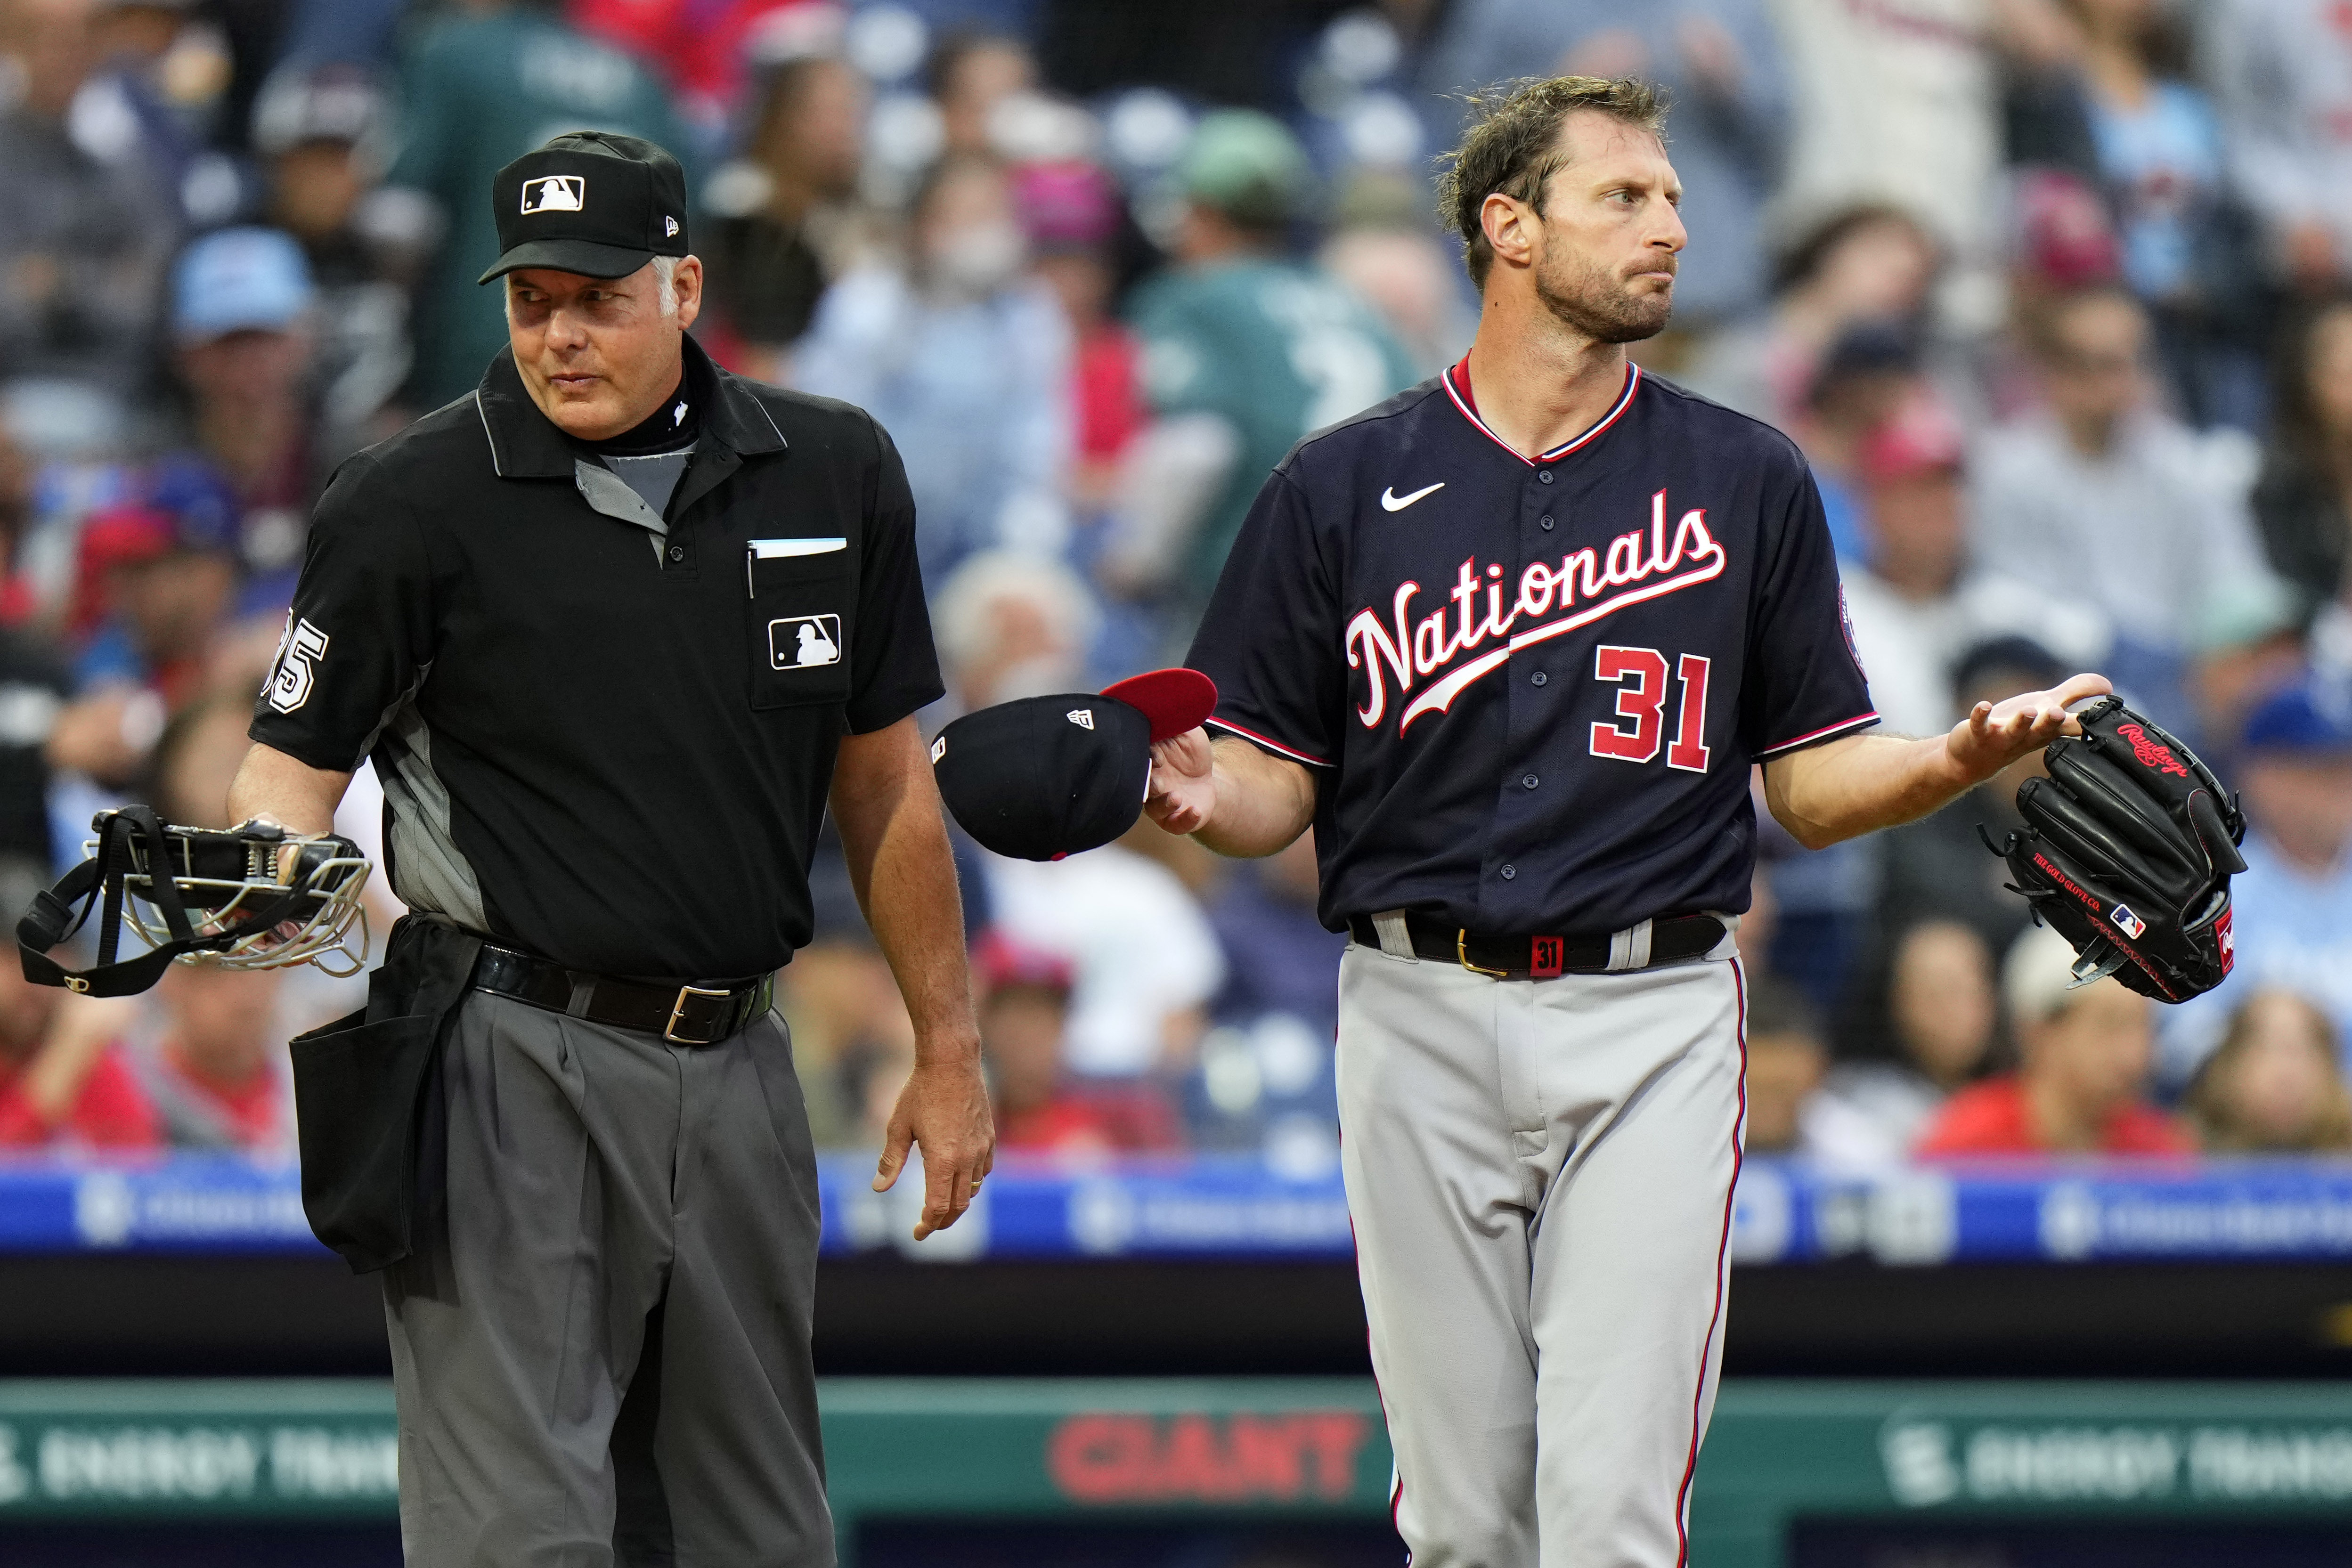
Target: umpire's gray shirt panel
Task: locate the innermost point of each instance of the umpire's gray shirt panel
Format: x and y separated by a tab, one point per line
430	873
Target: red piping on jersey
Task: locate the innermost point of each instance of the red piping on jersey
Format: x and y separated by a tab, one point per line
1827	729
1272	746
1715	1318
1457	386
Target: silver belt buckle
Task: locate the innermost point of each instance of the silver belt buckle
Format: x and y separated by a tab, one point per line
677	1010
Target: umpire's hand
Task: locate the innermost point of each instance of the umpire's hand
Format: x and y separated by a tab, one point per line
944	1108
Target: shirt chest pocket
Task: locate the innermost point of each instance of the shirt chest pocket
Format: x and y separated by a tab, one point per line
801	591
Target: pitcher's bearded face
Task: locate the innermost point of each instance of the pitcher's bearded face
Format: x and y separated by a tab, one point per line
1620	304
1612	238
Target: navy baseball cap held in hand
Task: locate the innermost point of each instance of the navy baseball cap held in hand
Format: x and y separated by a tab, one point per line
592	202
1054	776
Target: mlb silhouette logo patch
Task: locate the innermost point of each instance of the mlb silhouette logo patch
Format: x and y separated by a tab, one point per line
554	194
803	641
2127	922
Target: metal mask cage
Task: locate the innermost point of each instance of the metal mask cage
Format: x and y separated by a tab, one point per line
328	912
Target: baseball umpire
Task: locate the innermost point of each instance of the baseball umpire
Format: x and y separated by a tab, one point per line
1510	643
610	626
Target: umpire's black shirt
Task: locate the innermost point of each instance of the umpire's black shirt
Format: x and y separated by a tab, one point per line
605	734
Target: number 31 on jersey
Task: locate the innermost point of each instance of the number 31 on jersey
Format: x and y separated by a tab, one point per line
1640	676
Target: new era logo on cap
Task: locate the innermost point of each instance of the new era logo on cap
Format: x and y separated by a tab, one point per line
670	226
557	194
1081	716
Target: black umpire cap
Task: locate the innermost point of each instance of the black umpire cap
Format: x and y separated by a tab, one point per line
590	202
1048	776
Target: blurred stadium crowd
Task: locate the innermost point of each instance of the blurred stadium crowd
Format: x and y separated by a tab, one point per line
2055	294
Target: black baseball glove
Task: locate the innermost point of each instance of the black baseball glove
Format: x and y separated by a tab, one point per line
2127	852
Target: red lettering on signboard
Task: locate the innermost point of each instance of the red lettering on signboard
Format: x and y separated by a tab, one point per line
1106	1458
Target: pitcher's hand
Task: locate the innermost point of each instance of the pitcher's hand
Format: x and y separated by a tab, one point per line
1182	795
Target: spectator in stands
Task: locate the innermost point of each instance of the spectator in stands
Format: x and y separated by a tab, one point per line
217	1073
158	96
316	129
1406	273
1936	1037
2276	1085
176	578
1145	960
1025	1008
64	1080
1069	210
486	81
196	757
2279	69
2302	502
82	250
1868	377
34	681
967	76
2159	153
1901	104
777	237
1244	352
1011	625
1926	598
1278	957
171	580
1786	1057
701	50
2081	1085
2102	490
242	315
2291	907
1871	263
965	360
1719	59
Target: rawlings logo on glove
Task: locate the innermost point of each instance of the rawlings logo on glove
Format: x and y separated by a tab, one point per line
2149	753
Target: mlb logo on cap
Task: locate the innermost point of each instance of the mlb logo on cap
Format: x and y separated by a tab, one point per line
554	194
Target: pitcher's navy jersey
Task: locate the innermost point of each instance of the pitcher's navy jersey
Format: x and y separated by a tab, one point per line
1531	690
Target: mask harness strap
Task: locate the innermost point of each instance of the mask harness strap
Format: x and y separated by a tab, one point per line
101	881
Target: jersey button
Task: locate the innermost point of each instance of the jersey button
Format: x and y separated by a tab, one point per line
678	552
1544	522
1527	782
1538	678
1510	871
1544	475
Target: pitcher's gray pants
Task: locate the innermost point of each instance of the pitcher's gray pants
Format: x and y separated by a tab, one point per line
1540	1174
606	1360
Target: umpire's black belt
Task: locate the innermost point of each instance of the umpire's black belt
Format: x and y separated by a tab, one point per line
1540	956
681	1013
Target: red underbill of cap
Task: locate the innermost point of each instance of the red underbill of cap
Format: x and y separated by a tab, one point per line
1174	700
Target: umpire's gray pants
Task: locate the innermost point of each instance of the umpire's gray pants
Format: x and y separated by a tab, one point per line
605	1358
1540	1174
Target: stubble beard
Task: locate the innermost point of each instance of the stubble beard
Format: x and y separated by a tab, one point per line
1586	300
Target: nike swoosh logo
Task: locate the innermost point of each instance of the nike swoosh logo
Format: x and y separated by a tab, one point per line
1393	502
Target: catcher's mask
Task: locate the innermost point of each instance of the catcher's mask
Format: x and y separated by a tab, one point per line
220	901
